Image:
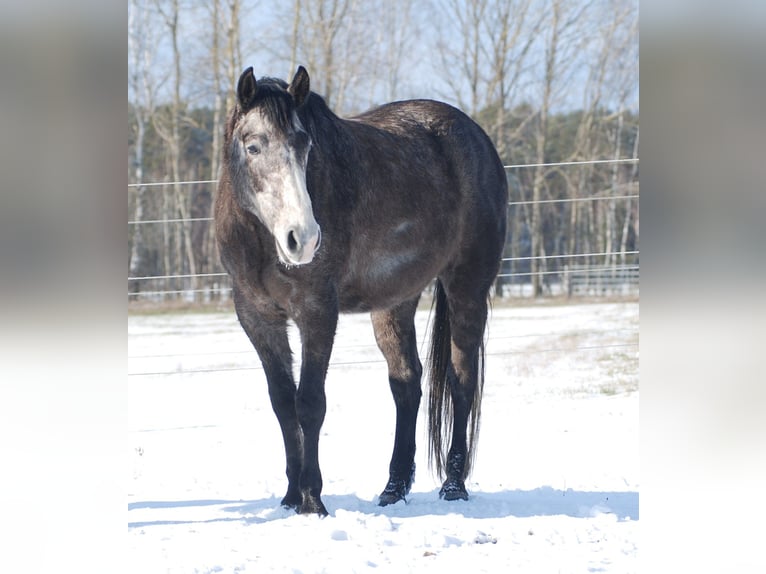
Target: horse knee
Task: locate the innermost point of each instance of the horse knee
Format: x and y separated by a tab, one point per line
406	389
282	396
310	406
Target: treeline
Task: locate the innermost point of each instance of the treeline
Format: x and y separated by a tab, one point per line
559	213
549	80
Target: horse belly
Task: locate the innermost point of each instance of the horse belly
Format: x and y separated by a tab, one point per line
380	280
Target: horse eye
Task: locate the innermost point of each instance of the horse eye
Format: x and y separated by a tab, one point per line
254	150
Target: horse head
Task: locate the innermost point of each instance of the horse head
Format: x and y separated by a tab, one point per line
269	150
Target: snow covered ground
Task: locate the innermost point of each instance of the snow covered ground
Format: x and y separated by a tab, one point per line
555	486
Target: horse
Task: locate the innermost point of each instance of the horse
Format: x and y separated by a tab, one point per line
317	215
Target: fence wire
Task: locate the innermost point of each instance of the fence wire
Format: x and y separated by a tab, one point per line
552	164
511	275
257	367
504	259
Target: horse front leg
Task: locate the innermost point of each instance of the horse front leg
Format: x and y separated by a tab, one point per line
282	395
268	334
317	334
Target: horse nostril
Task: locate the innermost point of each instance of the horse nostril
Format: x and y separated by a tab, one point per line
292	242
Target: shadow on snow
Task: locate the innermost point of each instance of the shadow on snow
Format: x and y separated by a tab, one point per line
543	501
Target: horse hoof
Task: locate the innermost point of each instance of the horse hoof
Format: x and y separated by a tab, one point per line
454	495
312	505
396	490
387	498
319	510
453	489
292	501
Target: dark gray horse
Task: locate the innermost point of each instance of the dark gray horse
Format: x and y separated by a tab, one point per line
317	215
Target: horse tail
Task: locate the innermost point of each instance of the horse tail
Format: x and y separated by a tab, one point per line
439	397
440	407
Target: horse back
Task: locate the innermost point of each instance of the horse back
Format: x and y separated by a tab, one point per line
430	193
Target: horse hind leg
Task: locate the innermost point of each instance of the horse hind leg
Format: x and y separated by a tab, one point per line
464	381
395	335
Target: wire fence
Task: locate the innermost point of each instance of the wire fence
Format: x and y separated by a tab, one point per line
552	164
347	354
381	361
591	272
617	272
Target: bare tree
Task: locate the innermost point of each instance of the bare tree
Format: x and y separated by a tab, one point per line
563	41
611	49
319	41
217	65
623	75
394	41
296	16
218	115
631	215
466	55
491	57
172	137
517	66
551	50
510	34
140	56
233	49
354	50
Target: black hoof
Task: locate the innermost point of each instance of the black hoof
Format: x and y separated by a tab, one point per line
397	489
453	489
292	500
392	494
312	505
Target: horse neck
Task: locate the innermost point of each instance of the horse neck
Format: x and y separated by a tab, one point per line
328	131
236	227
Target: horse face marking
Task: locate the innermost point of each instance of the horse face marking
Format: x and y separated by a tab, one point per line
273	160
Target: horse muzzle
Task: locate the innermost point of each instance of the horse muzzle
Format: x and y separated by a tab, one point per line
297	246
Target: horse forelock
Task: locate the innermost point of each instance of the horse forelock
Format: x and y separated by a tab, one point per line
273	101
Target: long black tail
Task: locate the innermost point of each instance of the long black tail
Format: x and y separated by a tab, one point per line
440	408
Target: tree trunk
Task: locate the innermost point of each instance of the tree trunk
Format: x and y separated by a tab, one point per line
629	206
542	132
135	266
178	203
294	38
611	215
138	47
210	247
234	57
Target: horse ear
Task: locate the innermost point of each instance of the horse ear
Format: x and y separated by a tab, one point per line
300	86
246	89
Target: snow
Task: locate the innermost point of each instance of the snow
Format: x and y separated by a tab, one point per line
555	487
